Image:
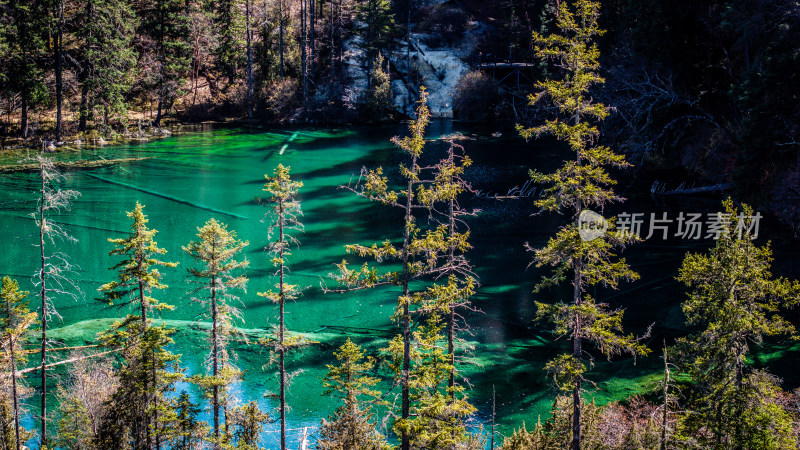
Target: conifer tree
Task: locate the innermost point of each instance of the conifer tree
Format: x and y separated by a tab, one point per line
15	322
216	251
25	27
379	93
189	430
54	266
419	254
285	216
351	426
248	421
579	184
165	23
735	302
106	30
230	30
377	26
147	359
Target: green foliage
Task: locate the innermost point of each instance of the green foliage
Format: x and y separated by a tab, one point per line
377	25
230	50
83	396
165	23
140	412
578	184
351	426
188	430
137	273
106	30
379	94
248	422
437	419
15	322
734	302
556	432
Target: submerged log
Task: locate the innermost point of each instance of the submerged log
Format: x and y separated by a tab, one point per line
68	165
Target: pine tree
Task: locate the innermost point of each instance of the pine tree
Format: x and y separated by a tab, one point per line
54	266
189	430
285	215
579	184
379	94
106	30
137	276
165	24
351	426
230	48
377	26
216	250
15	322
419	254
734	302
248	421
25	29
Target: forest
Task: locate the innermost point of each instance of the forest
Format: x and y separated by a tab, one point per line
618	94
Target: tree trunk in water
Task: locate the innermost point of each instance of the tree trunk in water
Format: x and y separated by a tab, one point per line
43	281
14	392
215	359
282	298
666	402
405	413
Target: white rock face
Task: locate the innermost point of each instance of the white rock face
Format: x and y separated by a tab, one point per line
439	71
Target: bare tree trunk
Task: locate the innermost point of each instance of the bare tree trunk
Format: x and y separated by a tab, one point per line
249	61
43	280
57	55
303	44
282	301
24	116
405	413
215	358
312	26
666	402
14	394
280	34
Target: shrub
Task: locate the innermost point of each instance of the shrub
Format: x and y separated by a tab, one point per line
475	98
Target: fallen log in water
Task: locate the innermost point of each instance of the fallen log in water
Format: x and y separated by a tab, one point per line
68	165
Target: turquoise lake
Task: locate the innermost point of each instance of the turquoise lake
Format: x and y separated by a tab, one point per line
194	176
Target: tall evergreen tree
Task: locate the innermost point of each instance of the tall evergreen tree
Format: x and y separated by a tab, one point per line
734	302
15	322
579	184
377	26
248	423
419	255
230	48
164	25
351	426
285	215
25	27
216	251
106	30
137	276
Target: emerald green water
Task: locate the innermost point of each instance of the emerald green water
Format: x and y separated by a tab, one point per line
219	173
